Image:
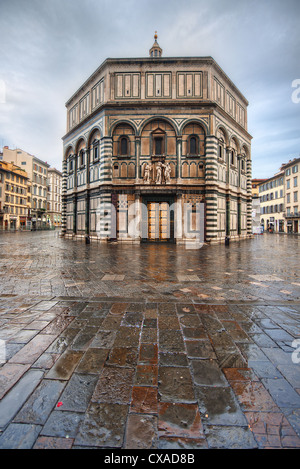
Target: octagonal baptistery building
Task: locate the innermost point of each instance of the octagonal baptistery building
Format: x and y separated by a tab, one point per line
157	149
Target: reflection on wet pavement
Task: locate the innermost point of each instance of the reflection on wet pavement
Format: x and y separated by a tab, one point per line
149	347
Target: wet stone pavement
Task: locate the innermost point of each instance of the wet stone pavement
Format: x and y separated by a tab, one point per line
149	347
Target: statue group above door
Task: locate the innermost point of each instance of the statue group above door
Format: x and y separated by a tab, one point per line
157	173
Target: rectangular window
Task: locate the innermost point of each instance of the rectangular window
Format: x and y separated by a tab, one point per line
295	196
124	146
295	182
288	184
158	145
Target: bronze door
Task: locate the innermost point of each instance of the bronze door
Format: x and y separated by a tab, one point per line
153	221
158	221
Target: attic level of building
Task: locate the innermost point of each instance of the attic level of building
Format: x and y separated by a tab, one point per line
171	80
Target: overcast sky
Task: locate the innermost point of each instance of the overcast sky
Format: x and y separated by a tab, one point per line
48	48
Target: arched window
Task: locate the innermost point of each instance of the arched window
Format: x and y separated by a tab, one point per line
193	140
123	139
221	136
95	150
123	146
71	165
193	145
81	158
234	151
221	149
201	170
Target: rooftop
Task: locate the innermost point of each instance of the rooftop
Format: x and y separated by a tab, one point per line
157	59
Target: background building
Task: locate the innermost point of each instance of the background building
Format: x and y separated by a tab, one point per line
272	203
13	197
54	197
151	143
279	200
37	171
292	213
255	186
256	220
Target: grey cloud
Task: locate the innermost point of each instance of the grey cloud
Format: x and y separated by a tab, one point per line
49	47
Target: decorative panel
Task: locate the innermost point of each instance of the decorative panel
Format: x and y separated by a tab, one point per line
230	104
84	106
158	85
98	93
189	84
219	92
127	85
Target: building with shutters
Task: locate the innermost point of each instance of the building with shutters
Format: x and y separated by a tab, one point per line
54	197
37	171
279	200
157	149
13	197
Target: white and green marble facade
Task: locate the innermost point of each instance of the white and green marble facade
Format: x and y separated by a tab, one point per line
140	100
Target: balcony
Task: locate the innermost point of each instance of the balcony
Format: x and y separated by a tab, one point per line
292	215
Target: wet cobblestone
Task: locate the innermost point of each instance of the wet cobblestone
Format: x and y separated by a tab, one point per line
155	360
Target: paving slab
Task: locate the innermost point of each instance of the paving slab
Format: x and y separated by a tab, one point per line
149	347
17	396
